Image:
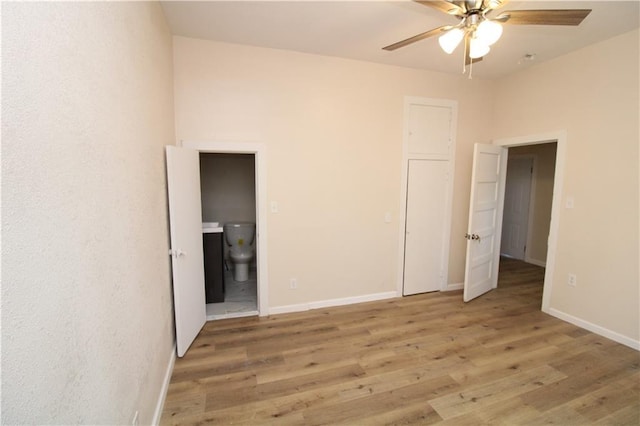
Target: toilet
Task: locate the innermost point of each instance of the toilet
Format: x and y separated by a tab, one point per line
239	237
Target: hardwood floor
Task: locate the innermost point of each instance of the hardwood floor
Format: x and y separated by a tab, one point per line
415	360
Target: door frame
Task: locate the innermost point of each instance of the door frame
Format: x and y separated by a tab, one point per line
402	215
560	138
259	151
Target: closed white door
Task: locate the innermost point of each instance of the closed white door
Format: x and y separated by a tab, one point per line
187	261
425	231
517	195
485	220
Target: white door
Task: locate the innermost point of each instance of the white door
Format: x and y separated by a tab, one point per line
425	230
517	194
187	260
485	220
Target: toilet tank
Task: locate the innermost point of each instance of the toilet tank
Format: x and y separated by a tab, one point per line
239	233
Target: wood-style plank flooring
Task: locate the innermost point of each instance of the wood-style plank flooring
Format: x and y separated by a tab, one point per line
415	360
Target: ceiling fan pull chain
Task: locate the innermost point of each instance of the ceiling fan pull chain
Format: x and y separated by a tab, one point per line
464	57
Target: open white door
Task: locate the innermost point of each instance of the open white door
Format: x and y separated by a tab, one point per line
485	220
187	261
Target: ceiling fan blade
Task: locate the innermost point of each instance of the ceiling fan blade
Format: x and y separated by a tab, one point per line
544	17
418	37
443	6
495	4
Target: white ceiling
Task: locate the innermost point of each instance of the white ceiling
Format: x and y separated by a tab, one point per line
358	29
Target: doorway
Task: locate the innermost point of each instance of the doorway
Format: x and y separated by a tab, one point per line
546	235
228	194
527	214
254	153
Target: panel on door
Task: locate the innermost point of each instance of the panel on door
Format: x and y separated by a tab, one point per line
485	220
429	130
425	226
187	261
517	195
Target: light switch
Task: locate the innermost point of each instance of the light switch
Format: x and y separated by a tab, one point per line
274	207
387	217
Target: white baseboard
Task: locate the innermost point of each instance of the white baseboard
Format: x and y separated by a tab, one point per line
454	286
536	262
609	334
286	309
332	302
165	387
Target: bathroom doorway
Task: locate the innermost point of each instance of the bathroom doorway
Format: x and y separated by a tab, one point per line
228	193
255	153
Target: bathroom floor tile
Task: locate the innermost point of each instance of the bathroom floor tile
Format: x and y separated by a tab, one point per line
241	298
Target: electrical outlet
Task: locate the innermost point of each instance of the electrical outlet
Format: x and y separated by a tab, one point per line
135	421
293	283
572	280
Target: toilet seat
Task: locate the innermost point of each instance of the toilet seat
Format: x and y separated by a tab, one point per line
246	256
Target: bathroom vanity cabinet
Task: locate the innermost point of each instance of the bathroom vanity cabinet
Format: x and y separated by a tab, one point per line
213	265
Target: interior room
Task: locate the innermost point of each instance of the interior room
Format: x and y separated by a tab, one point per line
94	93
229	196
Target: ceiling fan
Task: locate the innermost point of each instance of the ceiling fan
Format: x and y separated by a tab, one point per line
479	31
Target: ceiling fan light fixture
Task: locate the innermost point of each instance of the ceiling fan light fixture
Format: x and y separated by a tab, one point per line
451	39
477	48
489	32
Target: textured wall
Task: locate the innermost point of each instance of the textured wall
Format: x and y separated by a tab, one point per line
593	94
87	102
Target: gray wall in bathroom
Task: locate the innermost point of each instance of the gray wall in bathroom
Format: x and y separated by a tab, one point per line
227	182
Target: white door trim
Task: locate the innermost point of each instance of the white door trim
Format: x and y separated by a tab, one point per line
560	137
408	101
260	152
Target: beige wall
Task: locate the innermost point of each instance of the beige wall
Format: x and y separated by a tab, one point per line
333	133
87	323
593	94
540	215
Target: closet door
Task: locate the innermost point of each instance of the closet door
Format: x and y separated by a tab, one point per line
425	231
429	147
